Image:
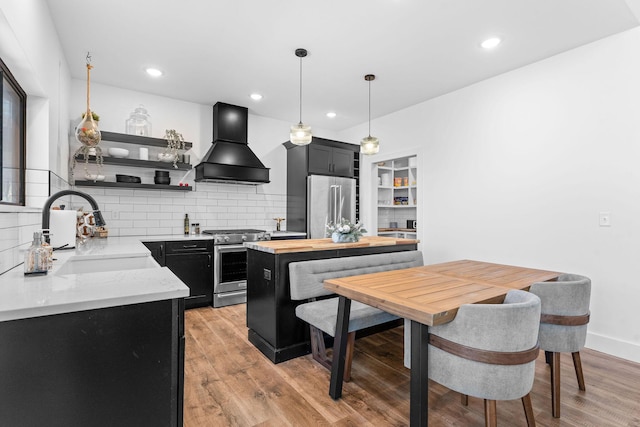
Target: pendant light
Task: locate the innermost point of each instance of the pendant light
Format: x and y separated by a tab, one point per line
370	144
300	133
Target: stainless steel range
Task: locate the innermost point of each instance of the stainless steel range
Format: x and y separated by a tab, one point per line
230	261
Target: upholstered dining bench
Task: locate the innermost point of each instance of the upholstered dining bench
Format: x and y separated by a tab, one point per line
306	283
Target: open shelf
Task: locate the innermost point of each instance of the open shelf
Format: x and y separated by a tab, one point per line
139	140
136	163
131	185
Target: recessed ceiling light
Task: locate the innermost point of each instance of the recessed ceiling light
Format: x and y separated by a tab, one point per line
153	72
331	114
491	42
256	96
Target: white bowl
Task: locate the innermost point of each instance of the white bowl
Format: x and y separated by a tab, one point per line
166	157
93	177
118	152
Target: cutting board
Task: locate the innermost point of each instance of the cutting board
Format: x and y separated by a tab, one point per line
63	228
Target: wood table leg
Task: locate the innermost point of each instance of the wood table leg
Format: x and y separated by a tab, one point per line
339	348
419	397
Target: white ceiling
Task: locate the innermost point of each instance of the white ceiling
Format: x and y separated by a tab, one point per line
213	50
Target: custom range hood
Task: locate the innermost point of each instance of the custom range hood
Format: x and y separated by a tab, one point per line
230	159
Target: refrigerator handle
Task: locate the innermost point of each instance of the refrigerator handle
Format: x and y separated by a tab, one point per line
334	188
341	200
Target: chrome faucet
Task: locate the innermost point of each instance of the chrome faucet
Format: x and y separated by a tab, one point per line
96	210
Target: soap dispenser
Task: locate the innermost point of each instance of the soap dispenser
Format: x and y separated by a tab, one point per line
37	257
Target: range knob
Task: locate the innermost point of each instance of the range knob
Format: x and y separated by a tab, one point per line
244	237
226	239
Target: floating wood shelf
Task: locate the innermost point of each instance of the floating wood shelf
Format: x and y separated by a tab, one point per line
131	185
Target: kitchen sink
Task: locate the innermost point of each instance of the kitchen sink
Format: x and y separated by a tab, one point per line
80	266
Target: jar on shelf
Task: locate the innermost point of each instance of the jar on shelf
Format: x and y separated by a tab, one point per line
138	122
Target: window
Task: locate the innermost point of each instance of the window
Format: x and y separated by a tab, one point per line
12	139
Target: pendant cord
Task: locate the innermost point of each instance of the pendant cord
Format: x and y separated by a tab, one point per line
369	108
300	90
89	67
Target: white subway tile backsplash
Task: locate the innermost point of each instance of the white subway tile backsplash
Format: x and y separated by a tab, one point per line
159	231
133	216
160	215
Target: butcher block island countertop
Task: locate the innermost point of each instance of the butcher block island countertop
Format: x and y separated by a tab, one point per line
308	245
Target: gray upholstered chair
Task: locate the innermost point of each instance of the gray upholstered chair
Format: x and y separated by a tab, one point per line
488	351
563	325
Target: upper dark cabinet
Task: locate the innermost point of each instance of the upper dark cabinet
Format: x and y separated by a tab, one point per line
325	160
323	157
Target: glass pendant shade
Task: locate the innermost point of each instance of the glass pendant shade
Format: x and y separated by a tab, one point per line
300	134
369	145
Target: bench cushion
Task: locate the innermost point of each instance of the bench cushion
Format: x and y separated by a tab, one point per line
322	314
306	277
306	280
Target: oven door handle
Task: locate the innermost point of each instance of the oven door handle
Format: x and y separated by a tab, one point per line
240	284
231	294
230	248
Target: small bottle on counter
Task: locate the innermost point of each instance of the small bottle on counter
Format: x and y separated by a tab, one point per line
197	228
37	258
186	224
193	228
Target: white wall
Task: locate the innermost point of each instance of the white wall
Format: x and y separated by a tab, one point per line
29	46
194	121
516	170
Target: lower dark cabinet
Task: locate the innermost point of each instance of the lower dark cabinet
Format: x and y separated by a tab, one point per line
115	366
192	262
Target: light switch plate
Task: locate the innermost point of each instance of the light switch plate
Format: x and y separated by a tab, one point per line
605	219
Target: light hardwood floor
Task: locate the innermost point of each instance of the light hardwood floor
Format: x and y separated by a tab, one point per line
228	382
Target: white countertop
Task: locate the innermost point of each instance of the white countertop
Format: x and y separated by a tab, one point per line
55	293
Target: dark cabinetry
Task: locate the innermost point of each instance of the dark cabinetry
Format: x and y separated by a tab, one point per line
327	160
192	262
321	157
116	366
271	318
157	251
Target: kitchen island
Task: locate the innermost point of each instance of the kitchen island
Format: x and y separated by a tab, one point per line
273	326
99	340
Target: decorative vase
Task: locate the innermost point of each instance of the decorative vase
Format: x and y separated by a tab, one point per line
343	238
87	132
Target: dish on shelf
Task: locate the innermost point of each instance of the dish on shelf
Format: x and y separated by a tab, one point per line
166	180
166	157
94	177
119	153
128	179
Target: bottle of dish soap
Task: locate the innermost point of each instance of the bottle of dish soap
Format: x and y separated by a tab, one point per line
37	258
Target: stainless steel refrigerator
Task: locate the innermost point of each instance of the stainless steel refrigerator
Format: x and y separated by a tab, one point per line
329	198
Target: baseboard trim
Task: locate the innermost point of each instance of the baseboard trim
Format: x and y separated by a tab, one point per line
615	347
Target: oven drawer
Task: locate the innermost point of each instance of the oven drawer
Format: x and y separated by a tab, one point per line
229	298
189	246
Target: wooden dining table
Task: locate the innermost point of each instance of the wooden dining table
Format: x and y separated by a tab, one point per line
427	296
